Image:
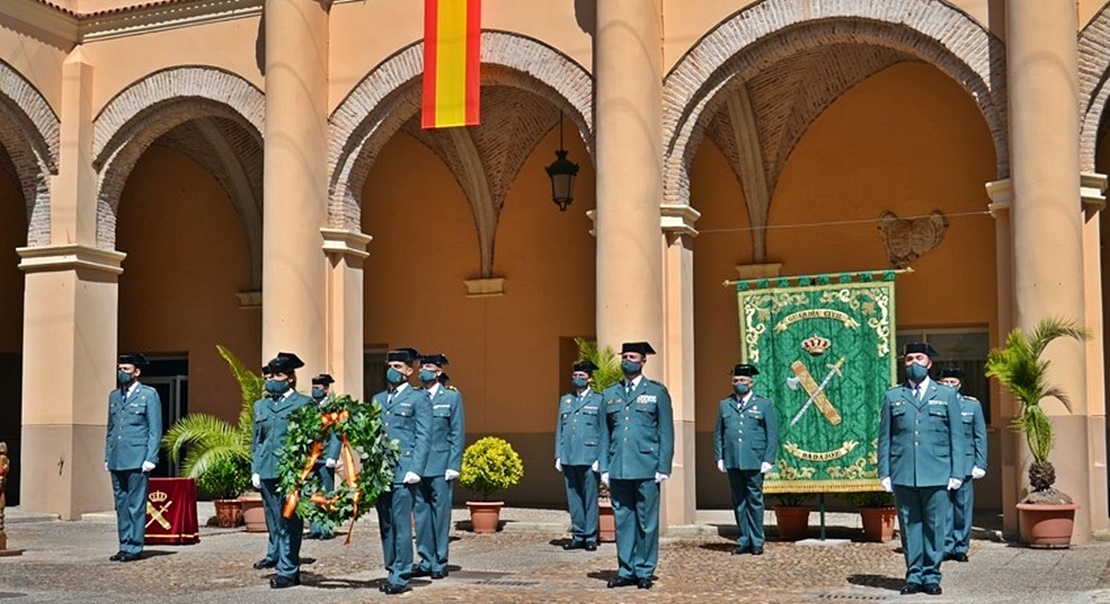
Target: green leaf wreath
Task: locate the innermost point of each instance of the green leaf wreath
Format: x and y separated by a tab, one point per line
357	425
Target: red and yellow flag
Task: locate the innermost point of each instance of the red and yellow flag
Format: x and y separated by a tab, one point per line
452	63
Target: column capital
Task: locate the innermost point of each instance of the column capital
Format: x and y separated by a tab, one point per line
1001	194
678	219
68	257
345	242
1092	189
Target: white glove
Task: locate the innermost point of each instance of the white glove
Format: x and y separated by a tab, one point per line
885	483
605	478
411	478
977	473
659	478
329	462
558	465
105	466
256	481
721	466
147	466
594	466
954	483
765	467
450	475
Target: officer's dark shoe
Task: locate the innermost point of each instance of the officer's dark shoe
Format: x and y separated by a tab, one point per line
439	574
736	551
574	544
421	572
591	547
643	583
960	557
910	589
757	551
392	589
126	557
312	536
933	589
265	563
620	582
283	582
115	557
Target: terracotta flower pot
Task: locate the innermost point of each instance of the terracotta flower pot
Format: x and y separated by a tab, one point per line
606	522
793	522
253	514
878	523
229	513
485	516
1046	525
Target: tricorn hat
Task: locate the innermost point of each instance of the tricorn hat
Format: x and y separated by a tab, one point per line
137	359
284	362
744	369
585	366
437	359
641	347
923	347
404	355
323	379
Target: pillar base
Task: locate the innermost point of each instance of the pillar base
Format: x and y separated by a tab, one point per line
63	470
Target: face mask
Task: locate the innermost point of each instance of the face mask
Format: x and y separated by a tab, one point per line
916	372
427	376
579	382
123	378
631	367
276	386
741	389
393	376
318	393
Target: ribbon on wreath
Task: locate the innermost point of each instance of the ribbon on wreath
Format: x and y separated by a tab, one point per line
328	420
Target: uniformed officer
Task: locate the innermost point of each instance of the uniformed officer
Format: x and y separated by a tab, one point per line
639	446
433	498
975	462
577	447
271	422
406	418
131	452
920	456
325	465
745	443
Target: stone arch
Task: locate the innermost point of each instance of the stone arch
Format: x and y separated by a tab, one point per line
1094	91
760	35
390	94
159	103
29	132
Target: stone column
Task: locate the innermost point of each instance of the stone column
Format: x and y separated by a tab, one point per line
346	251
1047	229
69	327
294	269
628	93
680	494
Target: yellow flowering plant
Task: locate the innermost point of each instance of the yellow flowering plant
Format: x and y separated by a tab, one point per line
490	465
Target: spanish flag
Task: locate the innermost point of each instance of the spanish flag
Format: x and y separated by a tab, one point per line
452	63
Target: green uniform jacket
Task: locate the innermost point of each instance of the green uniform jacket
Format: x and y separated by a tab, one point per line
975	434
578	432
408	420
448	432
638	439
271	422
921	442
134	428
747	434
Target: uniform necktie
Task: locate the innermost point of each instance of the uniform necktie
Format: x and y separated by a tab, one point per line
389	399
917	391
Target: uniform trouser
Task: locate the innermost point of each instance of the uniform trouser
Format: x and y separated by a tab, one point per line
746	487
327	483
581	482
958	535
636	513
395	519
921	515
433	523
285	533
129	488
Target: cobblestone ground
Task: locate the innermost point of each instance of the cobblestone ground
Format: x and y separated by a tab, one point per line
67	562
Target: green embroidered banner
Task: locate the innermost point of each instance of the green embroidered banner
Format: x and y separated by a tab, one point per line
824	347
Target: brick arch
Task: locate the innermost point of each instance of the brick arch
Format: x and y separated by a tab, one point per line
390	94
29	133
153	106
1094	91
772	30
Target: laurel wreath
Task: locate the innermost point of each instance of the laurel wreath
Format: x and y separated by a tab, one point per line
359	429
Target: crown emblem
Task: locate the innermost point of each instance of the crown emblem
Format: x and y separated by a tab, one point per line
815	345
158	496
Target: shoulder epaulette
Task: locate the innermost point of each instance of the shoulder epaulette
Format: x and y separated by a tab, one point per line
451	388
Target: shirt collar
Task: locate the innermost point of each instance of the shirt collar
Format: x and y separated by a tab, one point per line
433	389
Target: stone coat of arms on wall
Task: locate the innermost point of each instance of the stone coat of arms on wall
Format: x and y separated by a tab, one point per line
908	239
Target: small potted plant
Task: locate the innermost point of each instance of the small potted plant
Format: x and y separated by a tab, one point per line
488	466
1046	516
224	479
608	372
792	515
877	511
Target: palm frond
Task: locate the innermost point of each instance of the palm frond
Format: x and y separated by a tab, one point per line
250	383
199	433
607	360
1055	327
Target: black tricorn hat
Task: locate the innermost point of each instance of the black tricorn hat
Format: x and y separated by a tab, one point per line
284	362
404	355
952	372
323	379
641	347
744	369
923	347
137	359
437	359
443	377
586	366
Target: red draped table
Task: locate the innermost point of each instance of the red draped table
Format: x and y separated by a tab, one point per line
171	512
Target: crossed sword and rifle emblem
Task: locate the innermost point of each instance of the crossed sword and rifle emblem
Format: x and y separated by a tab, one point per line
816	391
156	514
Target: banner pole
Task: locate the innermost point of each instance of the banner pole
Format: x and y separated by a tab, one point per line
896	271
821	509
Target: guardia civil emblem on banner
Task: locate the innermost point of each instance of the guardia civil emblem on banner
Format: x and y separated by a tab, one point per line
825	350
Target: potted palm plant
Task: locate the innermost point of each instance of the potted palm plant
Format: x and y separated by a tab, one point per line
210	442
608	372
1046	515
488	466
877	512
